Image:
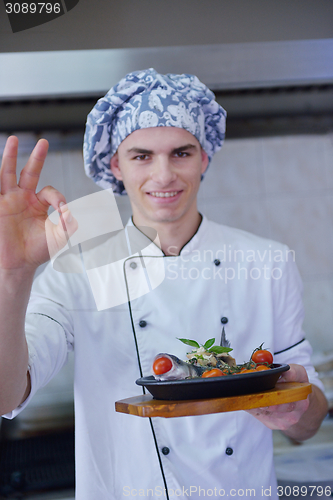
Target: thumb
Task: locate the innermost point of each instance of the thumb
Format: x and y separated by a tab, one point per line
296	373
57	235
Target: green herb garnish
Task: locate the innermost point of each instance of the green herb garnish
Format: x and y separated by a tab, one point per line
192	343
219	349
208	346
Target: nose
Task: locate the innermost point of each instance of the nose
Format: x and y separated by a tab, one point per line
163	172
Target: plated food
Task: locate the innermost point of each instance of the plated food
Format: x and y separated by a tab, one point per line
207	361
214	387
211	372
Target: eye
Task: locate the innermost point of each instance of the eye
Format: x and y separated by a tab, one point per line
141	157
181	154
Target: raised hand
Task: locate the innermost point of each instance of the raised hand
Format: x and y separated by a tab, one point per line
23	212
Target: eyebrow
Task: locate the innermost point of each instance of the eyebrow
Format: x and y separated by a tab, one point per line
184	148
139	151
149	151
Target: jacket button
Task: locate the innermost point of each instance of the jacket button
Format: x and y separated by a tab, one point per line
133	265
217	262
165	450
224	320
142	323
229	451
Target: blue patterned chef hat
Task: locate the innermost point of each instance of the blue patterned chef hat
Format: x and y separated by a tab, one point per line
146	99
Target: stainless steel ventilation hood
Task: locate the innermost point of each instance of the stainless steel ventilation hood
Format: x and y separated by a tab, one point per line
266	87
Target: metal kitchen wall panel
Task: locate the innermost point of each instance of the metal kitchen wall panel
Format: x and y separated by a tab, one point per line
224	66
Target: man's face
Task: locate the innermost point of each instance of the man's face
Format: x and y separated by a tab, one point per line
161	169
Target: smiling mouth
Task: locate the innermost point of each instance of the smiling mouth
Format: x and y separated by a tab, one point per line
164	194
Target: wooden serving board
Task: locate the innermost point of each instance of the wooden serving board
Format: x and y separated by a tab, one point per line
147	406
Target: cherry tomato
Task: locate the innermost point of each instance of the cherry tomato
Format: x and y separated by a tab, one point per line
251	370
162	365
262	356
215	372
260	368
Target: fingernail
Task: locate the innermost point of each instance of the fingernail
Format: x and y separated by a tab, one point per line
70	217
61	204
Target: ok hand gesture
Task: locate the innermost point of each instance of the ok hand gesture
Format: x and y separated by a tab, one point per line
23	212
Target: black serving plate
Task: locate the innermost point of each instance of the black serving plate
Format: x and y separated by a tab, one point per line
215	387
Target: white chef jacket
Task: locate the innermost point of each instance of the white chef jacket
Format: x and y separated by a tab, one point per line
220	273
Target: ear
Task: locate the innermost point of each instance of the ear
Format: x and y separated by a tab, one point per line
205	161
114	166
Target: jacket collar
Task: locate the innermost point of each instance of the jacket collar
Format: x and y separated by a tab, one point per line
194	242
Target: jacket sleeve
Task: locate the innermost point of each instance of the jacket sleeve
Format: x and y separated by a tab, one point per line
49	331
291	345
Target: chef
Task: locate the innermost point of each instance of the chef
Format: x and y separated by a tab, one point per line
151	137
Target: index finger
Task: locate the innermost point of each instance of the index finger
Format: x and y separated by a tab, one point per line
30	174
8	178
